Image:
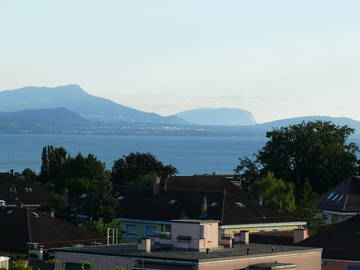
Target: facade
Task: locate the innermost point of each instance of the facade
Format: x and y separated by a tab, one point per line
145	211
340	243
341	202
193	244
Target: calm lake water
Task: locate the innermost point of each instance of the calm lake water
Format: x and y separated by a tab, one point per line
191	155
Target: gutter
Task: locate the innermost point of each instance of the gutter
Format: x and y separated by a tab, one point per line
143	221
263	225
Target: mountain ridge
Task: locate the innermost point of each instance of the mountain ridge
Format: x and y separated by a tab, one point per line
76	99
218	116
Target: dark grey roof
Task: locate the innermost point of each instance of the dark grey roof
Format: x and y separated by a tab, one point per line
18	226
345	197
240	250
14	189
228	208
340	241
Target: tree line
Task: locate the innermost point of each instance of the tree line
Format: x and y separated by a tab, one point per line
297	164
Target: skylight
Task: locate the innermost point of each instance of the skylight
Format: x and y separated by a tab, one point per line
335	197
213	204
331	194
240	204
83	196
342	196
172	202
120	198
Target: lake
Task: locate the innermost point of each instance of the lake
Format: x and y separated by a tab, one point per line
190	155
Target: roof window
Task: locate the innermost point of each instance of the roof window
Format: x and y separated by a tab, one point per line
239	204
335	197
172	202
120	198
28	189
330	195
213	204
342	196
12	189
83	196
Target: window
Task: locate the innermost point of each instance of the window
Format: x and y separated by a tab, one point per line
150	230
77	266
131	231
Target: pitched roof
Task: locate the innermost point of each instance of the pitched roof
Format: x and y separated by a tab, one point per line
14	190
229	208
340	241
18	226
203	183
345	197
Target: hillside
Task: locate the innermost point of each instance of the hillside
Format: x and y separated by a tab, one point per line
218	117
75	99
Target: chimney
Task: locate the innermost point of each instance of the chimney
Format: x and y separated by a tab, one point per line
300	235
145	245
204	206
244	237
156	185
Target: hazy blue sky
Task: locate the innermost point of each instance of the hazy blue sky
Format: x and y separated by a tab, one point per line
275	58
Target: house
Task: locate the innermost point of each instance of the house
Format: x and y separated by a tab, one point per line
14	191
340	243
342	201
193	244
144	211
24	230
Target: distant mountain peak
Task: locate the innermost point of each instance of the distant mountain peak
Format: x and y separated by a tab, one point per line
74	98
218	116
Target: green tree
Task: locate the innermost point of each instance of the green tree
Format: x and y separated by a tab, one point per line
317	151
100	203
30	175
100	226
306	208
52	159
136	167
274	193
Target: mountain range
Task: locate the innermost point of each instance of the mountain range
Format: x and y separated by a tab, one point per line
71	110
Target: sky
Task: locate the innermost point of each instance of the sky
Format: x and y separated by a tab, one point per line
277	59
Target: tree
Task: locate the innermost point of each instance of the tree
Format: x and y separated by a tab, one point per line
274	193
306	208
137	166
100	202
99	226
30	175
52	159
317	151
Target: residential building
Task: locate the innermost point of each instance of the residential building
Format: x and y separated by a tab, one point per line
342	201
340	243
145	211
193	244
26	231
